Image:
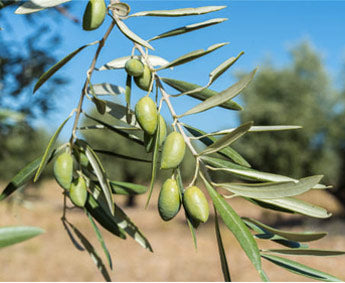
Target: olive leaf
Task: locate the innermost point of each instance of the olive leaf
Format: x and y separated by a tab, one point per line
192	56
131	35
223	96
49	150
300	269
101	151
11	235
120	9
303	251
52	70
272	190
125	188
179	12
106	89
199	92
33	6
236	226
188	28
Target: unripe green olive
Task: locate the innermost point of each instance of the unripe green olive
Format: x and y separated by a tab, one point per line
169	200
144	81
84	161
94	14
196	204
134	67
63	170
149	140
173	151
78	192
146	114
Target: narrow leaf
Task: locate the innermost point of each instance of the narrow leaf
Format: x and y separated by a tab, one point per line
125	188
107	89
293	236
272	190
22	177
222	255
311	252
227	139
179	12
131	35
301	269
203	94
57	66
48	152
33	6
192	56
15	234
121	155
235	225
92	252
223	96
189	28
100	239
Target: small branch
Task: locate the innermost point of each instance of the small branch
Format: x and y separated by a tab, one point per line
67	14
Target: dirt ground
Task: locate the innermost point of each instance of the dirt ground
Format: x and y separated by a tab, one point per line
52	256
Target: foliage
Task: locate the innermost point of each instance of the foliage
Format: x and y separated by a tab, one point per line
16	234
264	189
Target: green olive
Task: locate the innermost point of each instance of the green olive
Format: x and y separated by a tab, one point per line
134	67
196	204
84	161
144	81
146	114
63	170
149	140
94	14
169	200
173	151
78	192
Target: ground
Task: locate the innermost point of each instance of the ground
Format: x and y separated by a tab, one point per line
53	257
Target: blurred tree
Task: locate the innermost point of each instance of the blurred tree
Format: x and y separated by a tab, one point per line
299	94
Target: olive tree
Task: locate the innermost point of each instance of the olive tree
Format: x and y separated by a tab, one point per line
83	179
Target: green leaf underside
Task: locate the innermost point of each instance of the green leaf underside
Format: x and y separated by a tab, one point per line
227	152
116	130
189	223
272	190
188	28
227	139
290	204
222	255
223	96
236	226
100	239
99	170
301	269
179	12
33	6
48	152
303	252
22	177
106	89
125	188
217	72
131	35
52	70
15	234
92	252
119	63
192	56
293	236
121	155
204	94
154	164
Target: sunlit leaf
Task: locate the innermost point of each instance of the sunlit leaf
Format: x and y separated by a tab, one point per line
52	70
49	150
227	139
192	56
203	94
272	190
33	6
301	269
179	12
107	89
11	235
188	28
125	188
223	96
303	252
121	155
120	9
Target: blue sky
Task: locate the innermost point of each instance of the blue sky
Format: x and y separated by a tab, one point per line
259	28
